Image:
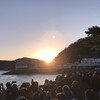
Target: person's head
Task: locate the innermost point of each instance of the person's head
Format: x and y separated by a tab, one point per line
60	96
58	89
21	98
14	86
24	85
53	99
67	91
65	88
47	97
8	84
46	81
89	94
42	94
23	91
75	83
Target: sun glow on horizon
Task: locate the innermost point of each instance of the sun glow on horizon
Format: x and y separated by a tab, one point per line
49	45
46	55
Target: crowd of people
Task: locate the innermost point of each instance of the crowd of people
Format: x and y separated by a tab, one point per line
70	86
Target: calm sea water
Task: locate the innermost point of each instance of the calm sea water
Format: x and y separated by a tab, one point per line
40	78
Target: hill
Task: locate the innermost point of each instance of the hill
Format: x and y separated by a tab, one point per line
10	65
7	65
88	47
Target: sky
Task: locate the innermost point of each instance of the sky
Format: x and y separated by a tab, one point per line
30	27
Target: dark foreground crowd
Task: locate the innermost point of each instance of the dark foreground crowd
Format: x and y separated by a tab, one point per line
71	86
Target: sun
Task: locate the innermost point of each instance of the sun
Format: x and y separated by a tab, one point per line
47	55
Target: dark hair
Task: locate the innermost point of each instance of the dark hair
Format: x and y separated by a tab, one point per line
89	94
61	96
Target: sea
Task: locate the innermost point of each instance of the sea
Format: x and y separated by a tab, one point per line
40	78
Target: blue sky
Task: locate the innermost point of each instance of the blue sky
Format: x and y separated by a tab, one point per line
29	26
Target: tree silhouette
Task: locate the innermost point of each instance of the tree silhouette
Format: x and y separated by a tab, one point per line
93	31
87	47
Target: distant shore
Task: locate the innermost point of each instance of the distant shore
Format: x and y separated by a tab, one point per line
27	72
45	71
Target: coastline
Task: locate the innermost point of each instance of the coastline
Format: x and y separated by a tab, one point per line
28	72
